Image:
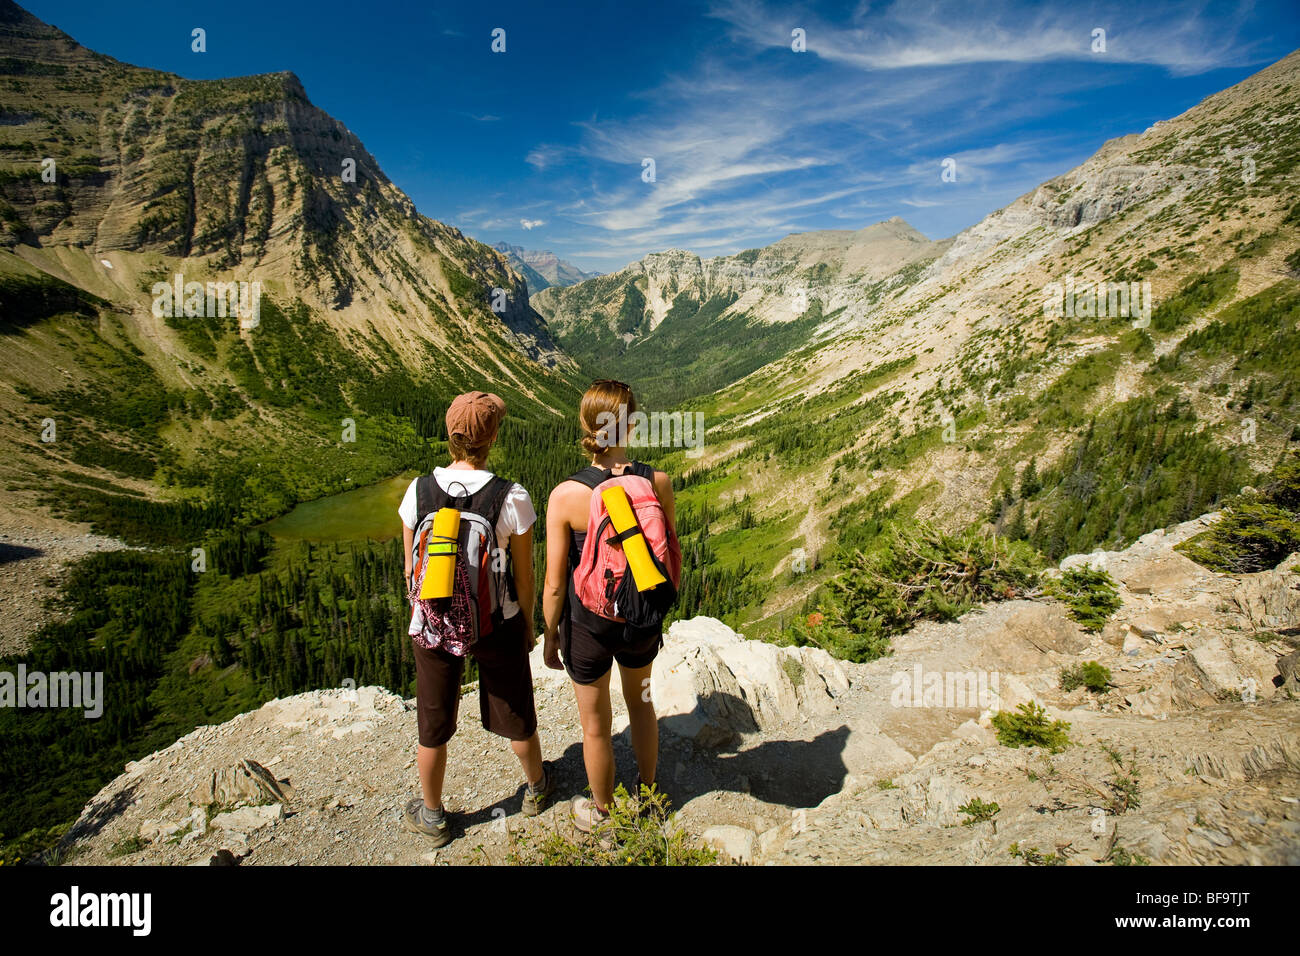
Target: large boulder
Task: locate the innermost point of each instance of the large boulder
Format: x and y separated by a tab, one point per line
1270	600
712	686
248	819
1233	667
245	782
737	844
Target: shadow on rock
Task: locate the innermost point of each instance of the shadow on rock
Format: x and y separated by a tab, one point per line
17	552
718	720
793	773
570	781
98	815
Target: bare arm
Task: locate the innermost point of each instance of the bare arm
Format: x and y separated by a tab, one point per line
408	538
557	563
664	492
521	554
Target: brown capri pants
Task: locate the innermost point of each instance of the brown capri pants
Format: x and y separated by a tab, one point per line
505	689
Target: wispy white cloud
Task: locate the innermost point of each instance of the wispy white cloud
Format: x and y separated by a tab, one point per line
905	34
748	146
531	223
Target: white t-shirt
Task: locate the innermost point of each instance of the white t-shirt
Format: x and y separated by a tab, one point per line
517	512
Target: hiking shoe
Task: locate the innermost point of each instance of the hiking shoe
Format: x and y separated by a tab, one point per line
415	820
586	815
535	801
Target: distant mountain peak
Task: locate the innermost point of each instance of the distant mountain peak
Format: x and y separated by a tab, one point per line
542	269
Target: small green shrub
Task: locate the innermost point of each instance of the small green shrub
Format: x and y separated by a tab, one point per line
1028	726
639	832
1258	531
1034	857
1252	536
1122	857
977	811
1090	595
918	573
1091	675
1126	792
39	845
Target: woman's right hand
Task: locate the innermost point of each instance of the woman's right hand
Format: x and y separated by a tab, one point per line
551	652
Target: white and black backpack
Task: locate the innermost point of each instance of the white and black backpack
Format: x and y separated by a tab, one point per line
482	575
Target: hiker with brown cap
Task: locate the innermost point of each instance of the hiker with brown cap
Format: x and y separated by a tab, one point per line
489	613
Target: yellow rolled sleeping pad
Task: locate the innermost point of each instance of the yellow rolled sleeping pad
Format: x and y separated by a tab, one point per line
644	573
440	574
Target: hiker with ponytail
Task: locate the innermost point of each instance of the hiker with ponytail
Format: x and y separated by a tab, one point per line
612	568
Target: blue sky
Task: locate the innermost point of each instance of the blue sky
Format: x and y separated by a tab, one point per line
543	145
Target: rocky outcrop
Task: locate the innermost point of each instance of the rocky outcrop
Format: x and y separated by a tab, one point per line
712	687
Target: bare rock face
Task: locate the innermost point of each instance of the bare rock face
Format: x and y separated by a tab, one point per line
1231	666
1118	187
1289	670
1270	599
247	781
710	685
247	820
735	843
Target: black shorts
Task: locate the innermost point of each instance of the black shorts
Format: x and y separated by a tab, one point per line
589	644
505	687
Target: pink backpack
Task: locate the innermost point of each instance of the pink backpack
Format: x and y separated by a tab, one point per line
601	580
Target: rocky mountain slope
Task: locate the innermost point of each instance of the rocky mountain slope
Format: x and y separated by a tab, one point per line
115	178
542	269
701	324
1189	756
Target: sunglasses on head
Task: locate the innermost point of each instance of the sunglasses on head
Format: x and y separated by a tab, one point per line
611	381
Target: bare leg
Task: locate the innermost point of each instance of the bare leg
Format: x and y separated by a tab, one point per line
597	717
432	762
529	753
643	725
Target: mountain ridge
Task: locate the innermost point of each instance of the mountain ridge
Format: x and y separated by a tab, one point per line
678	326
542	268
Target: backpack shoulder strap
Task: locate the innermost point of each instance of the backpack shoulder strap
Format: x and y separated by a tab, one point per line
429	497
642	469
494	495
591	476
488	502
489	499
